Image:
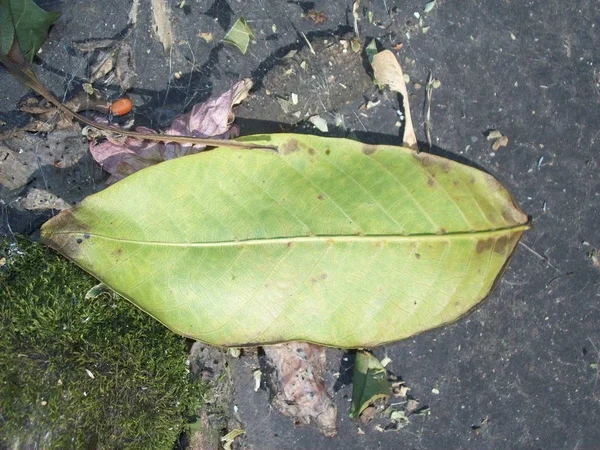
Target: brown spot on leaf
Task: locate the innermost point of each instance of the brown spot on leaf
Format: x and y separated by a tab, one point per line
290	146
320	197
311	151
327	152
483	245
116	253
369	149
430	182
443	230
418	255
445	166
501	244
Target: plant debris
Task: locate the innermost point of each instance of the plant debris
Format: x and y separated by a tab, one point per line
317	17
228	439
212	118
497	138
239	35
387	71
369	383
161	24
297	385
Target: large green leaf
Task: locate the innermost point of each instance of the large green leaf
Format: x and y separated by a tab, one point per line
28	22
329	241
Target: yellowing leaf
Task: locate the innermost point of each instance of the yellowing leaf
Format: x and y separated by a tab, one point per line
369	382
239	35
328	240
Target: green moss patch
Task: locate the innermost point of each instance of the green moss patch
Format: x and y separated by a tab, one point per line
77	373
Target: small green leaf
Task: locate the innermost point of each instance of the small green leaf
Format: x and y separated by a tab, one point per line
28	22
369	382
239	35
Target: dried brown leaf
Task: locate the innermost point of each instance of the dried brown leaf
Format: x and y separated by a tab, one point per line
298	385
162	24
125	70
387	71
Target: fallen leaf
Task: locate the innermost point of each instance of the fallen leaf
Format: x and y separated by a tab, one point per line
161	22
297	385
212	118
153	210
369	382
239	35
387	71
228	439
40	199
26	22
319	123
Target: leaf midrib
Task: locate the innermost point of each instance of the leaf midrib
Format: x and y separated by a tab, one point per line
322	238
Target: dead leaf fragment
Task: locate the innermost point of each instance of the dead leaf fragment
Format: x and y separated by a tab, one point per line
318	17
228	439
498	139
500	142
162	24
297	385
239	35
387	71
319	123
39	199
493	135
125	70
103	65
208	37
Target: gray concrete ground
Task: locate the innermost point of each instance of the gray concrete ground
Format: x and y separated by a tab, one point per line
521	372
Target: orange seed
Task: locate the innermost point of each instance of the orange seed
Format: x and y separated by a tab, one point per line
121	106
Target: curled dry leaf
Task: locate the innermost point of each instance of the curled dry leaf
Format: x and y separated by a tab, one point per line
212	118
299	391
161	22
387	71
